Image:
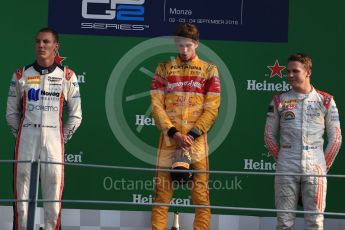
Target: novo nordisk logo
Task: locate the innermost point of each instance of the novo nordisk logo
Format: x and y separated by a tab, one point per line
128	10
54	94
34	94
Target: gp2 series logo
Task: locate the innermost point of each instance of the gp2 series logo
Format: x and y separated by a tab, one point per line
128	10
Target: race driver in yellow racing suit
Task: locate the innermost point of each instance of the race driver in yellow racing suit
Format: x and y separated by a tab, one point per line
185	96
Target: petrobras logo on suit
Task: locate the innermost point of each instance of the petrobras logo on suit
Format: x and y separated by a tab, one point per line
113	10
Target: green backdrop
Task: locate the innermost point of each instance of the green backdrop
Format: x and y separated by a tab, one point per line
315	27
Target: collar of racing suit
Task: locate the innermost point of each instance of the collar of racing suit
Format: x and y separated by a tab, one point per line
304	95
193	59
44	70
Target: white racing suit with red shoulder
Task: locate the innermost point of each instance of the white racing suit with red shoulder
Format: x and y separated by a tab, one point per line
36	100
300	121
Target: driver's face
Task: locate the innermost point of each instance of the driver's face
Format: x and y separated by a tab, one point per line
186	48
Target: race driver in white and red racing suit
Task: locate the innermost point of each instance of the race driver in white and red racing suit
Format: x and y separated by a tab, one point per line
37	97
300	117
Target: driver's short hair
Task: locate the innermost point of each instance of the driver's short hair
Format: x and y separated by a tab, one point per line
187	30
302	58
50	30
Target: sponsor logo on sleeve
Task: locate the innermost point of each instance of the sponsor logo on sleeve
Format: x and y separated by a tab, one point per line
12	93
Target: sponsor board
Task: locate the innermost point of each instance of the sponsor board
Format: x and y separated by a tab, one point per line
142	199
81	77
236	18
261	165
254	85
74	158
267	85
142	120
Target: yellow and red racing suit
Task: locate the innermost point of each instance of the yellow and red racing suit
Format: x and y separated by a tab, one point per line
185	96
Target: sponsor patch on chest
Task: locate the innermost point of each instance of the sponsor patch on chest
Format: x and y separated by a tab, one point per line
289	115
290	104
34	79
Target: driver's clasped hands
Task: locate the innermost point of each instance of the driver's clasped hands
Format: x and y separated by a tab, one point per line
183	141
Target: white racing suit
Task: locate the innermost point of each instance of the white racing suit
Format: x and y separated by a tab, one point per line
35	104
300	121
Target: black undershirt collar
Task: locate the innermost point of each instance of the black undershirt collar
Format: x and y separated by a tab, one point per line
44	70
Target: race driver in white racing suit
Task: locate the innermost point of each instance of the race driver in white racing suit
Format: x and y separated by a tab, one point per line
300	117
37	97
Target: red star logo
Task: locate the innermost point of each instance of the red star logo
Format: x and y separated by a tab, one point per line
59	59
276	69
